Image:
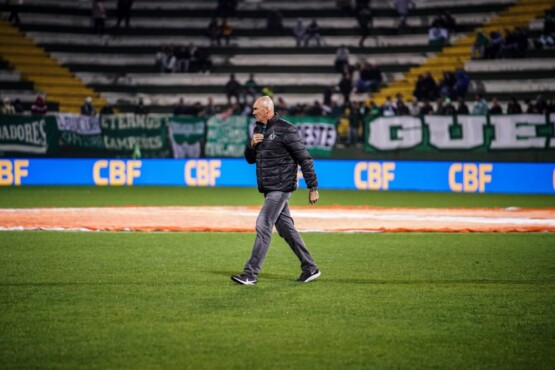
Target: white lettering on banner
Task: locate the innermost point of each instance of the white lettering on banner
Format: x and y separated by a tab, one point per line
409	133
374	175
473	177
316	135
83	125
552	121
472	131
517	131
129	121
128	142
29	133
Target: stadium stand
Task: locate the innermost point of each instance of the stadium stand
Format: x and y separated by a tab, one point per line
119	67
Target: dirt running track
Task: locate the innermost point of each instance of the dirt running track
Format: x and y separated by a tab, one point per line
316	219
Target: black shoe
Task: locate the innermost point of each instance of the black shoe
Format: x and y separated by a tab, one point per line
308	276
243	279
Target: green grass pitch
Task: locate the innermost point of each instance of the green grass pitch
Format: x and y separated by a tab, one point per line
164	300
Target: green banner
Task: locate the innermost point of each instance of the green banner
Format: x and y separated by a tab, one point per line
318	133
29	135
121	132
226	137
187	136
468	133
80	131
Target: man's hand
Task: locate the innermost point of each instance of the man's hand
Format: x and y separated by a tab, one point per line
256	139
313	196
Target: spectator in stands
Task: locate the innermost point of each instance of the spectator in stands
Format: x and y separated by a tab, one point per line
426	87
213	32
107	109
226	31
371	76
448	109
202	58
414	108
124	12
495	107
541	104
315	109
439	107
7	107
438	33
274	23
446	84
251	89
18	106
427	108
342	56
364	19
39	107
328	94
403	7
160	58
521	42
356	120
547	38
462	108
13	8
494	47
480	107
513	107
267	91
232	89
299	31
462	81
479	46
281	107
550	107
401	108
180	109
210	109
388	109
345	87
87	109
99	17
141	108
312	32
170	62
530	107
183	59
450	22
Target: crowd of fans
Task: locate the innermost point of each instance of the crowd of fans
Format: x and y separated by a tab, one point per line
183	59
510	44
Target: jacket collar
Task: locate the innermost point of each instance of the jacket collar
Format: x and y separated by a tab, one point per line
272	121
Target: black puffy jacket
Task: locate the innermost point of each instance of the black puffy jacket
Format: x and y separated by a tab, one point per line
278	156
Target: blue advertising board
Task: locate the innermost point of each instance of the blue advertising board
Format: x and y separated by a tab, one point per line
470	177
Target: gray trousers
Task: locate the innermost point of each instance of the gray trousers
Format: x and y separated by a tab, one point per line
276	212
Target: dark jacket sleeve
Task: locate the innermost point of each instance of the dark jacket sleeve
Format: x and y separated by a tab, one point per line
250	153
300	155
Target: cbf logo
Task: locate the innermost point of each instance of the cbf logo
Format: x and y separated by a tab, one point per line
272	136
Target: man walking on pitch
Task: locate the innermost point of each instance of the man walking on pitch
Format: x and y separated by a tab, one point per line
277	150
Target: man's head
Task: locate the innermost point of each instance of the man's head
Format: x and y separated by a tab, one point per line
263	109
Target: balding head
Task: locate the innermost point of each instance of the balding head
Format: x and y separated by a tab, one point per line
263	109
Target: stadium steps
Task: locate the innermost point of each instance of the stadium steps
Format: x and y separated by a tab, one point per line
36	66
454	57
